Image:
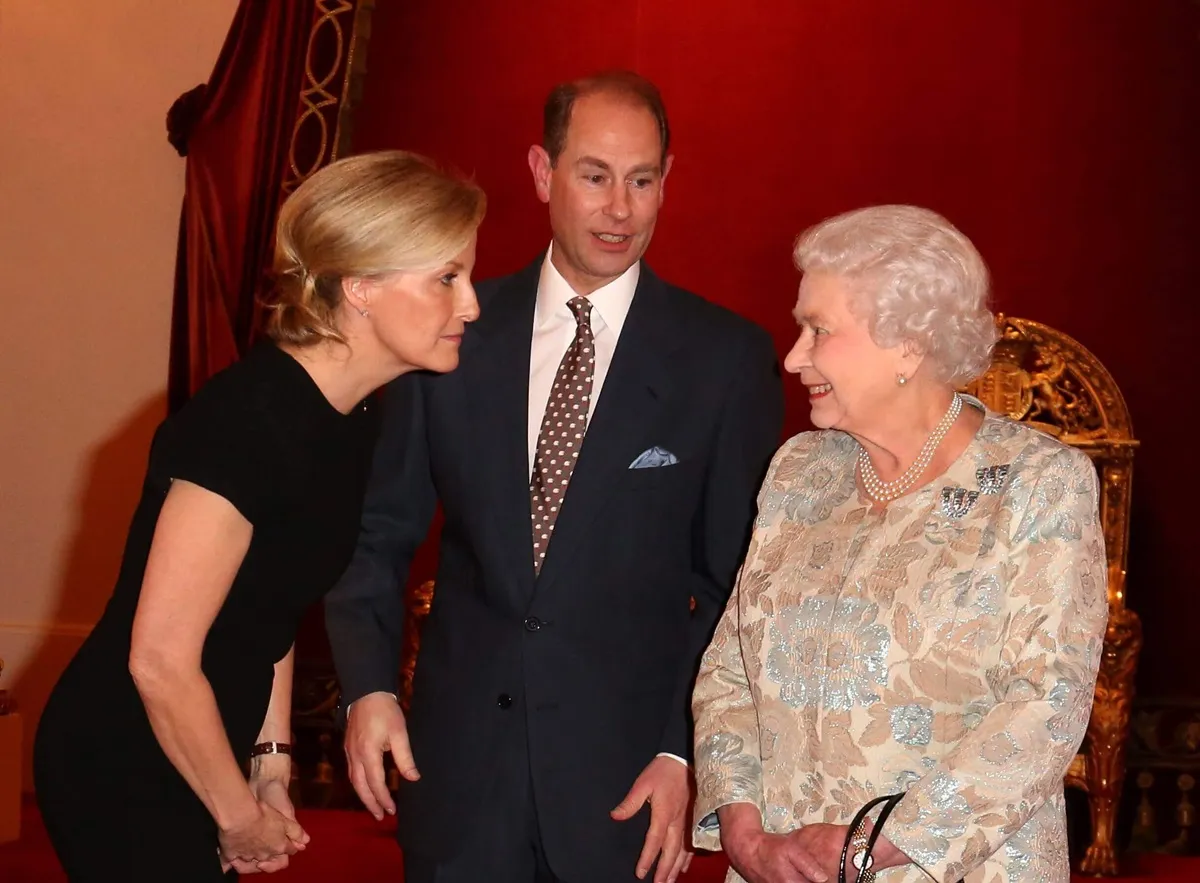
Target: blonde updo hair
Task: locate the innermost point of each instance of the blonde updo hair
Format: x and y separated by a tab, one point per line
917	281
363	216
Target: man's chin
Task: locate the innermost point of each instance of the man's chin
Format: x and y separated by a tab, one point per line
609	265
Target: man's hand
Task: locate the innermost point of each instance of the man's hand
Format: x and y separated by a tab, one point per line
375	725
767	858
666	784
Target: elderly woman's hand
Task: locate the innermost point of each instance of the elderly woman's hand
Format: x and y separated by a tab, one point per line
825	842
760	857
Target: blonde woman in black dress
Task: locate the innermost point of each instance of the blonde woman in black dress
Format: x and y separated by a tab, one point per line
249	513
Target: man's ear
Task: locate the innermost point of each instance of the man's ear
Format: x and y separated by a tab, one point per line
542	168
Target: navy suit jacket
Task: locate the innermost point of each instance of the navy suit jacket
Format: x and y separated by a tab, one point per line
593	659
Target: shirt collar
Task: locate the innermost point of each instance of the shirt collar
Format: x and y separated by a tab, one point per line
610	302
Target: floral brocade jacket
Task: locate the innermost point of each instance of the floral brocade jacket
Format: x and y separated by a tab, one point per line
946	647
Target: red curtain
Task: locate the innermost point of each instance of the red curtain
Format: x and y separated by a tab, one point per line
267	118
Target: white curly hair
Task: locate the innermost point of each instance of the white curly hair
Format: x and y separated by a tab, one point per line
917	281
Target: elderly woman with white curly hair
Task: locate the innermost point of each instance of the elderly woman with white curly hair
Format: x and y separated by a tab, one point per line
921	609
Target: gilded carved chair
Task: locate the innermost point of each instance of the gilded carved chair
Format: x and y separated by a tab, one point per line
416	608
1044	378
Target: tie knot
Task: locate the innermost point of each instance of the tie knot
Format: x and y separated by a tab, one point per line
582	308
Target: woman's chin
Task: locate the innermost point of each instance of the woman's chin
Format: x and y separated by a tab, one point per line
820	417
442	363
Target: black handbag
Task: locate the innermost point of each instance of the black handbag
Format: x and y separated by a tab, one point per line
862	844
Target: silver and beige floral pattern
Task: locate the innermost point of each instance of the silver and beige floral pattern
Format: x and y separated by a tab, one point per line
946	647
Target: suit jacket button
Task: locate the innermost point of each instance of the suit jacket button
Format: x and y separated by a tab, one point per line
532	624
504	701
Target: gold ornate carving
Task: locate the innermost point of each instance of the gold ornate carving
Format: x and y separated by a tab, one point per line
417	604
1042	377
315	696
1108	734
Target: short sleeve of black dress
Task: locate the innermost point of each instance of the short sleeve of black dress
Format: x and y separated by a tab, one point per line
223	437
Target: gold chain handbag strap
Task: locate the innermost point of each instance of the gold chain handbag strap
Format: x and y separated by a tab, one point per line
856	836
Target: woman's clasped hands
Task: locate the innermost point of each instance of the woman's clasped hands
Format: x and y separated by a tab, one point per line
262	843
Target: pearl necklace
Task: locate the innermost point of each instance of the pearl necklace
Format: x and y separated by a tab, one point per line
886	491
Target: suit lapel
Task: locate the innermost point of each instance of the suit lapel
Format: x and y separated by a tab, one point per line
499	384
638	382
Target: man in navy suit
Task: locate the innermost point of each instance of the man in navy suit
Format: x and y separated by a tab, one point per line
597	456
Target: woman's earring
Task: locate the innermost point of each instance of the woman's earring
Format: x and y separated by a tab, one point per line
901	380
362	312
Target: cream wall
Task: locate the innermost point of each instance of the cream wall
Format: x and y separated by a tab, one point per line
89	208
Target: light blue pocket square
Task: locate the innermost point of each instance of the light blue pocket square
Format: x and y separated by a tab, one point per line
652	457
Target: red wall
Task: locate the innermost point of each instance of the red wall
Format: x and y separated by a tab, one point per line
1062	137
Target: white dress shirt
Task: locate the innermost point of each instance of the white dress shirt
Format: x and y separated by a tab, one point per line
554	328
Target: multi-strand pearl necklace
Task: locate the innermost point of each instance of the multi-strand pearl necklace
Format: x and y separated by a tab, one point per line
886	491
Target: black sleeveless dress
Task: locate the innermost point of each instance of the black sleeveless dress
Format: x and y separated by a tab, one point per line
263	436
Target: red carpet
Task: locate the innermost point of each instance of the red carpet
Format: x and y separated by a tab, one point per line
349	847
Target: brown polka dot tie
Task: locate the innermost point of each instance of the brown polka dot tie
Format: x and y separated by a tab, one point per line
563	427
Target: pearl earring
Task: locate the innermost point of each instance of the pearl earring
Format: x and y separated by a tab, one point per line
901	380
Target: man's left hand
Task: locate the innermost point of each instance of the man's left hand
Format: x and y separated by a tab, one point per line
666	784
